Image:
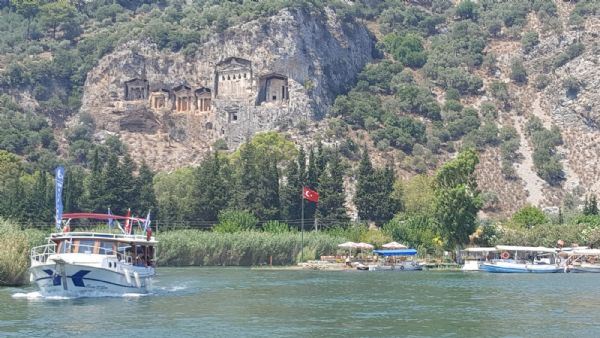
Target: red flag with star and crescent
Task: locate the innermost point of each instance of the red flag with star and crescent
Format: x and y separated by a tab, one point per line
310	194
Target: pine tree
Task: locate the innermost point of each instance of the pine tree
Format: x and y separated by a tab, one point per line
73	189
388	206
366	188
212	189
127	184
269	191
591	206
38	204
145	190
291	193
111	180
321	160
331	210
248	180
94	187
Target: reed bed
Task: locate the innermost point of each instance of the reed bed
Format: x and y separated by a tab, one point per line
247	248
15	245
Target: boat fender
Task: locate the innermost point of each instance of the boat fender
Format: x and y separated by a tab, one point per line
138	283
505	255
127	276
401	267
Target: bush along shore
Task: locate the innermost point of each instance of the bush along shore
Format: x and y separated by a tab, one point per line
245	248
15	245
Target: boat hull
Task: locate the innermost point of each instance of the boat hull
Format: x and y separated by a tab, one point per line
396	267
507	267
75	280
585	268
471	266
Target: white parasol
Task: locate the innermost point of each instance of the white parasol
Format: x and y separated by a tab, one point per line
347	245
394	245
365	246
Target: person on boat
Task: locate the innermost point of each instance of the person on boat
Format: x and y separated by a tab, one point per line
348	263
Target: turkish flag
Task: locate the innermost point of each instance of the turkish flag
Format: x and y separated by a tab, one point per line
310	194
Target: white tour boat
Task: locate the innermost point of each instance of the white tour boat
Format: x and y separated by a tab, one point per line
76	264
523	259
395	260
474	257
583	260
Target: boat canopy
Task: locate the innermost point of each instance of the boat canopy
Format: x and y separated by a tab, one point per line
525	248
586	252
397	252
480	249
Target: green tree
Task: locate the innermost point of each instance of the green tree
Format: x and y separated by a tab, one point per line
60	14
466	9
331	210
290	193
111	183
145	190
73	189
529	217
211	192
457	199
366	189
518	72
127	188
39	208
94	188
591	206
27	8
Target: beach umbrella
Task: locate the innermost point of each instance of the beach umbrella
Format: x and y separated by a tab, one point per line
394	245
347	245
365	246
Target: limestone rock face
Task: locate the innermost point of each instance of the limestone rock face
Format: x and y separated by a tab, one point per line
268	73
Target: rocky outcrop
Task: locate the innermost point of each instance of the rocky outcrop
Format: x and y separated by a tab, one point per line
259	76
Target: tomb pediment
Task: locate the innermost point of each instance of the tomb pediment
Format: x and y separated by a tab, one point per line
181	88
278	76
202	90
234	62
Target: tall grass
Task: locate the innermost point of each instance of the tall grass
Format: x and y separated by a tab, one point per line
247	248
15	245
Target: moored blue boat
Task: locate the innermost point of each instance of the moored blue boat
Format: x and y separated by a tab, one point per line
520	259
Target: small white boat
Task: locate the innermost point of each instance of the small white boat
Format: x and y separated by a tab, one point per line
394	260
521	259
87	264
474	257
583	260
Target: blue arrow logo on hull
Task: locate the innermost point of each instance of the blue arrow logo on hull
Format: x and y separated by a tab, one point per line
55	277
78	277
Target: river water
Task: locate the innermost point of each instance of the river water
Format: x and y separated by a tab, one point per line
228	302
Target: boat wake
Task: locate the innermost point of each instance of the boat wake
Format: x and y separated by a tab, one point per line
36	295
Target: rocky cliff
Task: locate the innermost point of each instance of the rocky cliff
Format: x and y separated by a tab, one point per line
269	73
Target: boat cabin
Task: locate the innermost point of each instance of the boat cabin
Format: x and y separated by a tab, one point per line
131	249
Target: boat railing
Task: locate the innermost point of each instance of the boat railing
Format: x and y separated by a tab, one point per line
101	235
41	253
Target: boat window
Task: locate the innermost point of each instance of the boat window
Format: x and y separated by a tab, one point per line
106	248
86	246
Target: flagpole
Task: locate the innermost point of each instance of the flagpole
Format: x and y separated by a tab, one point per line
302	231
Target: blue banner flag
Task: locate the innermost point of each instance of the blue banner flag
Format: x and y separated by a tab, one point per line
60	179
147	222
